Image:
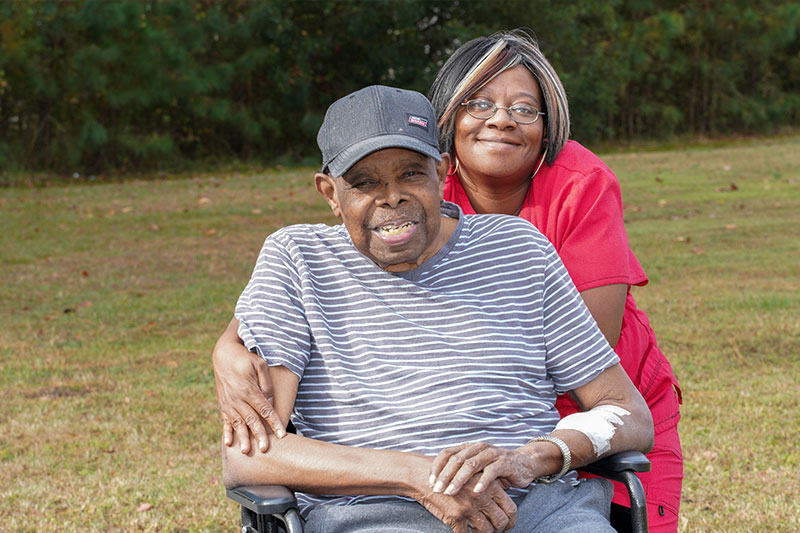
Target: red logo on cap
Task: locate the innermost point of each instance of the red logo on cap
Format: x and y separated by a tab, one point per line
417	121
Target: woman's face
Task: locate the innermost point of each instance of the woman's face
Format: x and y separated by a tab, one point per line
498	148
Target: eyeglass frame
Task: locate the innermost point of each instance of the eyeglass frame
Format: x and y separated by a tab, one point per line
496	107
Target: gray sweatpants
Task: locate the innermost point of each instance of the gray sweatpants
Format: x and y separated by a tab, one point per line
557	508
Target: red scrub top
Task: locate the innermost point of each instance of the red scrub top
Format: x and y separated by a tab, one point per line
577	204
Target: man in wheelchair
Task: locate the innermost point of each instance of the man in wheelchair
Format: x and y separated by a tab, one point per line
419	351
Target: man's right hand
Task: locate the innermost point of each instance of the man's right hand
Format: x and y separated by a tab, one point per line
489	511
244	392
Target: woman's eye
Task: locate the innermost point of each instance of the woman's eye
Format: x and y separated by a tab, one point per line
523	109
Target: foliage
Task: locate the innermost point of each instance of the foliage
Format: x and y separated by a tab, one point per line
92	86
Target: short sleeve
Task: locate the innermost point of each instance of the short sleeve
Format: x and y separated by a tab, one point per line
270	310
579	208
577	351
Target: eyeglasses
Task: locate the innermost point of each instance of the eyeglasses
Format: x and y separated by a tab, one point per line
520	113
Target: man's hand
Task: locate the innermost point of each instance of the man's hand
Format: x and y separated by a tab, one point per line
480	464
488	511
244	392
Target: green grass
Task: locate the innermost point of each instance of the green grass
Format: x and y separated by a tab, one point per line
114	293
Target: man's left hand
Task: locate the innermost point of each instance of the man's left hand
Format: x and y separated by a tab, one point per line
455	466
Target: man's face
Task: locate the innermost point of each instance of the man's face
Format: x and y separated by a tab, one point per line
389	203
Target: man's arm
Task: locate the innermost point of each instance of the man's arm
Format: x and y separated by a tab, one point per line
319	467
621	421
322	468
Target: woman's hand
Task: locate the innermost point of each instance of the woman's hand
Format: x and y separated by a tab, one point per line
244	392
455	467
487	511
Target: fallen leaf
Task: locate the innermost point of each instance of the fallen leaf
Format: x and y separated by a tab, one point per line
85	273
698	250
681	238
144	507
256	211
211	232
127	209
730	226
726	167
203	200
155	227
734	187
662	203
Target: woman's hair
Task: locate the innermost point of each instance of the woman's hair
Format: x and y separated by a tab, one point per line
478	62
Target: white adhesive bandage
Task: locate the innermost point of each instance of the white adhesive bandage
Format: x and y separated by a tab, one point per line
599	424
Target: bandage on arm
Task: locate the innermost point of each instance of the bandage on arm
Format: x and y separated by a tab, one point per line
615	418
598	424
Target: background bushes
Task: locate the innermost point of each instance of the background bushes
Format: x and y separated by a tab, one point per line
96	86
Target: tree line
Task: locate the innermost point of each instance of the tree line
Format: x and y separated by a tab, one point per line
131	85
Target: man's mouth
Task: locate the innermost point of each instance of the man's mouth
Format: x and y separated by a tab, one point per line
392	233
390	230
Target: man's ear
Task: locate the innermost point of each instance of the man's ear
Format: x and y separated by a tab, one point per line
442	168
327	188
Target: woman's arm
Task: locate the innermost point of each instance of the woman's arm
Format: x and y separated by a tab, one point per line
607	305
244	392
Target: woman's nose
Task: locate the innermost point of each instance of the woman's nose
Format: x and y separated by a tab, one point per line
501	119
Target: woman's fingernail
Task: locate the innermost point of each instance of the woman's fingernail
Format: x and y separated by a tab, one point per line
438	487
450	490
432	479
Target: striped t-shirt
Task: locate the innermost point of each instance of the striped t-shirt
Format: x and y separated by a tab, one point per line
472	345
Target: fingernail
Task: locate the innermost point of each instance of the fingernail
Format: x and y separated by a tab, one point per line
478	487
432	479
450	490
281	434
438	487
263	445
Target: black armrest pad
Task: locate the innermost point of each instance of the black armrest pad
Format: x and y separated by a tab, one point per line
619	462
263	499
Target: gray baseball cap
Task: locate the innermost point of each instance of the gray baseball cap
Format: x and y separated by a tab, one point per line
374	118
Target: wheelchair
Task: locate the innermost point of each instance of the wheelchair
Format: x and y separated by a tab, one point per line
273	508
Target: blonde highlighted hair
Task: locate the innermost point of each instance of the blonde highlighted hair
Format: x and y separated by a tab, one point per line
478	62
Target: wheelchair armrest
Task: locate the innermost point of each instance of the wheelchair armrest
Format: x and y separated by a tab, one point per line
619	462
264	504
622	467
263	499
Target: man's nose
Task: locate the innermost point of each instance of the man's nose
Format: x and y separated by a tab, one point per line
391	195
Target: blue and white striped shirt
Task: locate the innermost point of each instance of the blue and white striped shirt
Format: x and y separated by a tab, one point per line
472	345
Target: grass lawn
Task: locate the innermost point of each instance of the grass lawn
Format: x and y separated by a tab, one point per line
114	293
